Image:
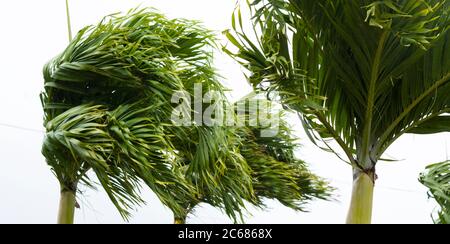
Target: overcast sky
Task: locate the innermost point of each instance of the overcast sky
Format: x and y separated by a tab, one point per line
32	32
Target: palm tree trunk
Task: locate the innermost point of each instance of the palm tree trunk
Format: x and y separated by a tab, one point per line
360	211
67	204
179	221
67	201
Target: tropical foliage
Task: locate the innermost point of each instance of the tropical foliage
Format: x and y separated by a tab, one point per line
360	73
107	100
437	179
108	107
277	173
274	170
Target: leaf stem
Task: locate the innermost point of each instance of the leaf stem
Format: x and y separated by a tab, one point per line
367	131
69	26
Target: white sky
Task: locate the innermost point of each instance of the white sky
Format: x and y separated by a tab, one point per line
32	32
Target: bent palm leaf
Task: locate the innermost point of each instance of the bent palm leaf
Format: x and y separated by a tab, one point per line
437	179
274	171
277	173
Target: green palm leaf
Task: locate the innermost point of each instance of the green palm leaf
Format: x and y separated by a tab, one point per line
437	179
271	171
277	173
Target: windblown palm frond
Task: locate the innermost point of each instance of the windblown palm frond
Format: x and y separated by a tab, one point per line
437	179
77	141
273	170
213	164
276	171
362	73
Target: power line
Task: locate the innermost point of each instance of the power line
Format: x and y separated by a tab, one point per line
21	128
378	186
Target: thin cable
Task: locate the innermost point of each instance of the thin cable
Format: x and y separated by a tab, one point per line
21	128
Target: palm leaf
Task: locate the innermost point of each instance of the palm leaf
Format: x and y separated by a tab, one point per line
271	171
437	179
277	173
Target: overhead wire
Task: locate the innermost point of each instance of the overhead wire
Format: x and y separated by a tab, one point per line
21	128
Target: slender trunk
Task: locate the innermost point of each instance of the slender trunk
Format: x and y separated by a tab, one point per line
67	204
360	211
180	221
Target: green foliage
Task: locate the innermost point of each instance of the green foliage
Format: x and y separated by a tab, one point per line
274	171
213	164
437	179
107	105
277	173
360	72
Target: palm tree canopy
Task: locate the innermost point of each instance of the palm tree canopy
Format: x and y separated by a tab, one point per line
277	173
107	104
437	179
274	171
360	72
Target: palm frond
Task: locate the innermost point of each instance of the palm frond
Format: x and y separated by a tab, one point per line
437	179
254	167
77	141
277	173
214	165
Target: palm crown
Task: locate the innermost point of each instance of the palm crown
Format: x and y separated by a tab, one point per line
107	104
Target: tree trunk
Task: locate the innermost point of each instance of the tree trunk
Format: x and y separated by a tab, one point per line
360	211
180	221
67	204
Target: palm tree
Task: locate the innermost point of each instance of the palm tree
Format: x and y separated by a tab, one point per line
107	104
437	179
275	172
360	73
